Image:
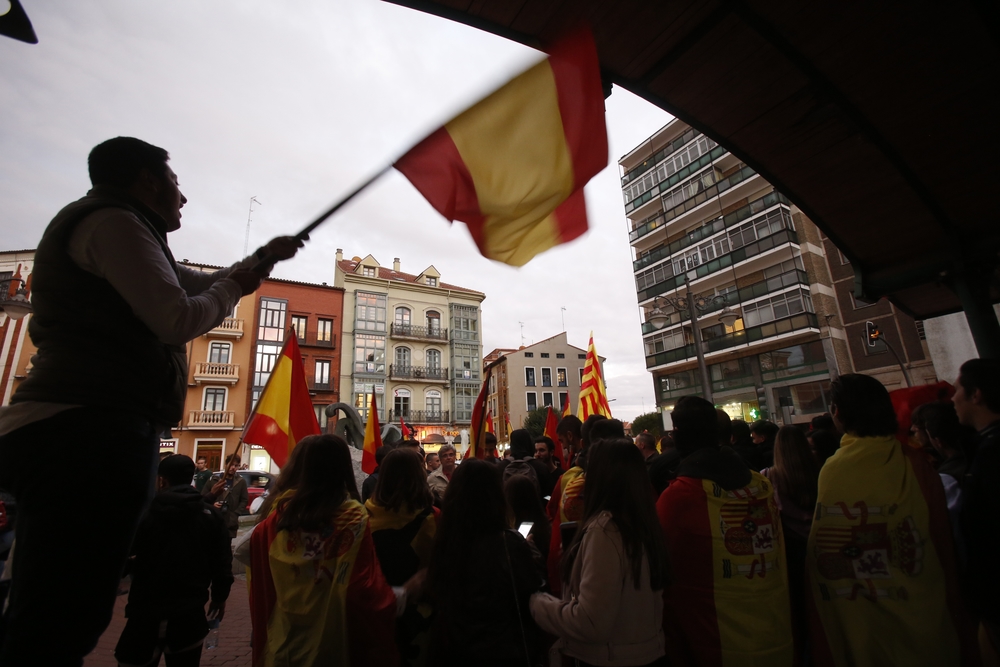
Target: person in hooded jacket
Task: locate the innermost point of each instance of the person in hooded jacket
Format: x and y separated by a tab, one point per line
523	462
729	603
181	549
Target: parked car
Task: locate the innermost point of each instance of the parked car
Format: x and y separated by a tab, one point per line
258	482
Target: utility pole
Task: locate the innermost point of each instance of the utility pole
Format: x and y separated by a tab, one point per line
246	239
563	314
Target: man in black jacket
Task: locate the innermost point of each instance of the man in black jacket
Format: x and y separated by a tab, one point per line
181	548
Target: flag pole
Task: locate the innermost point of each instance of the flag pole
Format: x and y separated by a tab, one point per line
304	233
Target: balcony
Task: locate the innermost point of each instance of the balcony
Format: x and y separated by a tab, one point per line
708	193
414	332
676	178
211	419
215	373
654	161
418	373
420	416
229	328
735	339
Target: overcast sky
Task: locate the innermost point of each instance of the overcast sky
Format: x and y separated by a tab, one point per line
296	103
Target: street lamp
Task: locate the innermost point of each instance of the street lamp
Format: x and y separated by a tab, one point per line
694	305
16	306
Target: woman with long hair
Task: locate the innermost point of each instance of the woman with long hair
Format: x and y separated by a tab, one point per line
615	570
795	476
403	522
525	507
317	592
481	576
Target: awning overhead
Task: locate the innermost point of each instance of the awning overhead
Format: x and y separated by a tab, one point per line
879	120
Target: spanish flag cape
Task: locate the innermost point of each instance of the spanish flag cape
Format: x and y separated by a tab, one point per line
728	604
881	564
320	598
565	504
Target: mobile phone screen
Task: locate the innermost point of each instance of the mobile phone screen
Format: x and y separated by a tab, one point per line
525	528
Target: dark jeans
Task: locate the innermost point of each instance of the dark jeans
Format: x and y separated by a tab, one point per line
83	480
177	638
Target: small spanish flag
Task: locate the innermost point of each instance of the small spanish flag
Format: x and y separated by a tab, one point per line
479	425
284	412
566	412
593	397
551	425
512	167
373	439
489	423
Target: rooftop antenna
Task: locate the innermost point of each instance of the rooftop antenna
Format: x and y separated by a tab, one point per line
563	315
246	239
522	333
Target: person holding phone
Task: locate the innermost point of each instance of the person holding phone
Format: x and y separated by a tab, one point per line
230	494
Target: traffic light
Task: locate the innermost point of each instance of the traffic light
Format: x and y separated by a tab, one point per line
873	335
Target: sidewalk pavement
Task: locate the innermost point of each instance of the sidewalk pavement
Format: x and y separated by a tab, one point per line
234	634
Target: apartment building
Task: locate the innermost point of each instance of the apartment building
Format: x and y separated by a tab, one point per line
547	373
698	217
416	343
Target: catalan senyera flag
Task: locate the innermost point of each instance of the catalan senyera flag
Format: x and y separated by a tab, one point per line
477	428
593	397
284	412
373	439
881	568
512	167
551	424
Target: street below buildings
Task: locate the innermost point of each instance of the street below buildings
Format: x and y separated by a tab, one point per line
234	633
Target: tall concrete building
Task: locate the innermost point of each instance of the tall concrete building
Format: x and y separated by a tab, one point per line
412	341
697	215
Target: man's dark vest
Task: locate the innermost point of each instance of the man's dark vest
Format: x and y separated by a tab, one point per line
92	349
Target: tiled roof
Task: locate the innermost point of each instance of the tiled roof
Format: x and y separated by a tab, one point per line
349	266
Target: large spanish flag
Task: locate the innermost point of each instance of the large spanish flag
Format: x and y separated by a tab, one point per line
593	397
373	439
513	166
284	412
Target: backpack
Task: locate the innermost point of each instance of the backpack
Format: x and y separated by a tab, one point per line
521	467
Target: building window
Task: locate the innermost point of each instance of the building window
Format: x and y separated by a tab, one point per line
547	399
369	353
272	320
465	362
322	377
432	401
546	377
544	355
667	340
215	399
532	401
433	322
218	353
529	355
402	316
368	271
401	404
433	358
321	417
324	331
581	356
363	398
529	377
560	355
299	323
267	357
581	377
859	303
921	334
563	399
561	377
465	396
432	282
402	357
776	308
370	312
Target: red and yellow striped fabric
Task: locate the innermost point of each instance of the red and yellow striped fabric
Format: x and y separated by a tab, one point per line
478	427
284	412
593	397
373	439
565	504
729	603
513	166
551	424
320	598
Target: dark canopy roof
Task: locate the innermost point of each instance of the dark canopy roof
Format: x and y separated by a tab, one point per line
880	120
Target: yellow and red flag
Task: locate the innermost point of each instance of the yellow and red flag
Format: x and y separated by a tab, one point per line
566	412
506	420
512	167
480	422
489	423
373	439
551	424
284	412
593	397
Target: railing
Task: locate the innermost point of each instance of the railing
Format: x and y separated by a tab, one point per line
677	177
418	372
210	371
788	372
211	419
735	257
736	338
467	374
229	327
712	227
420	416
321	386
416	331
698	199
664	152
